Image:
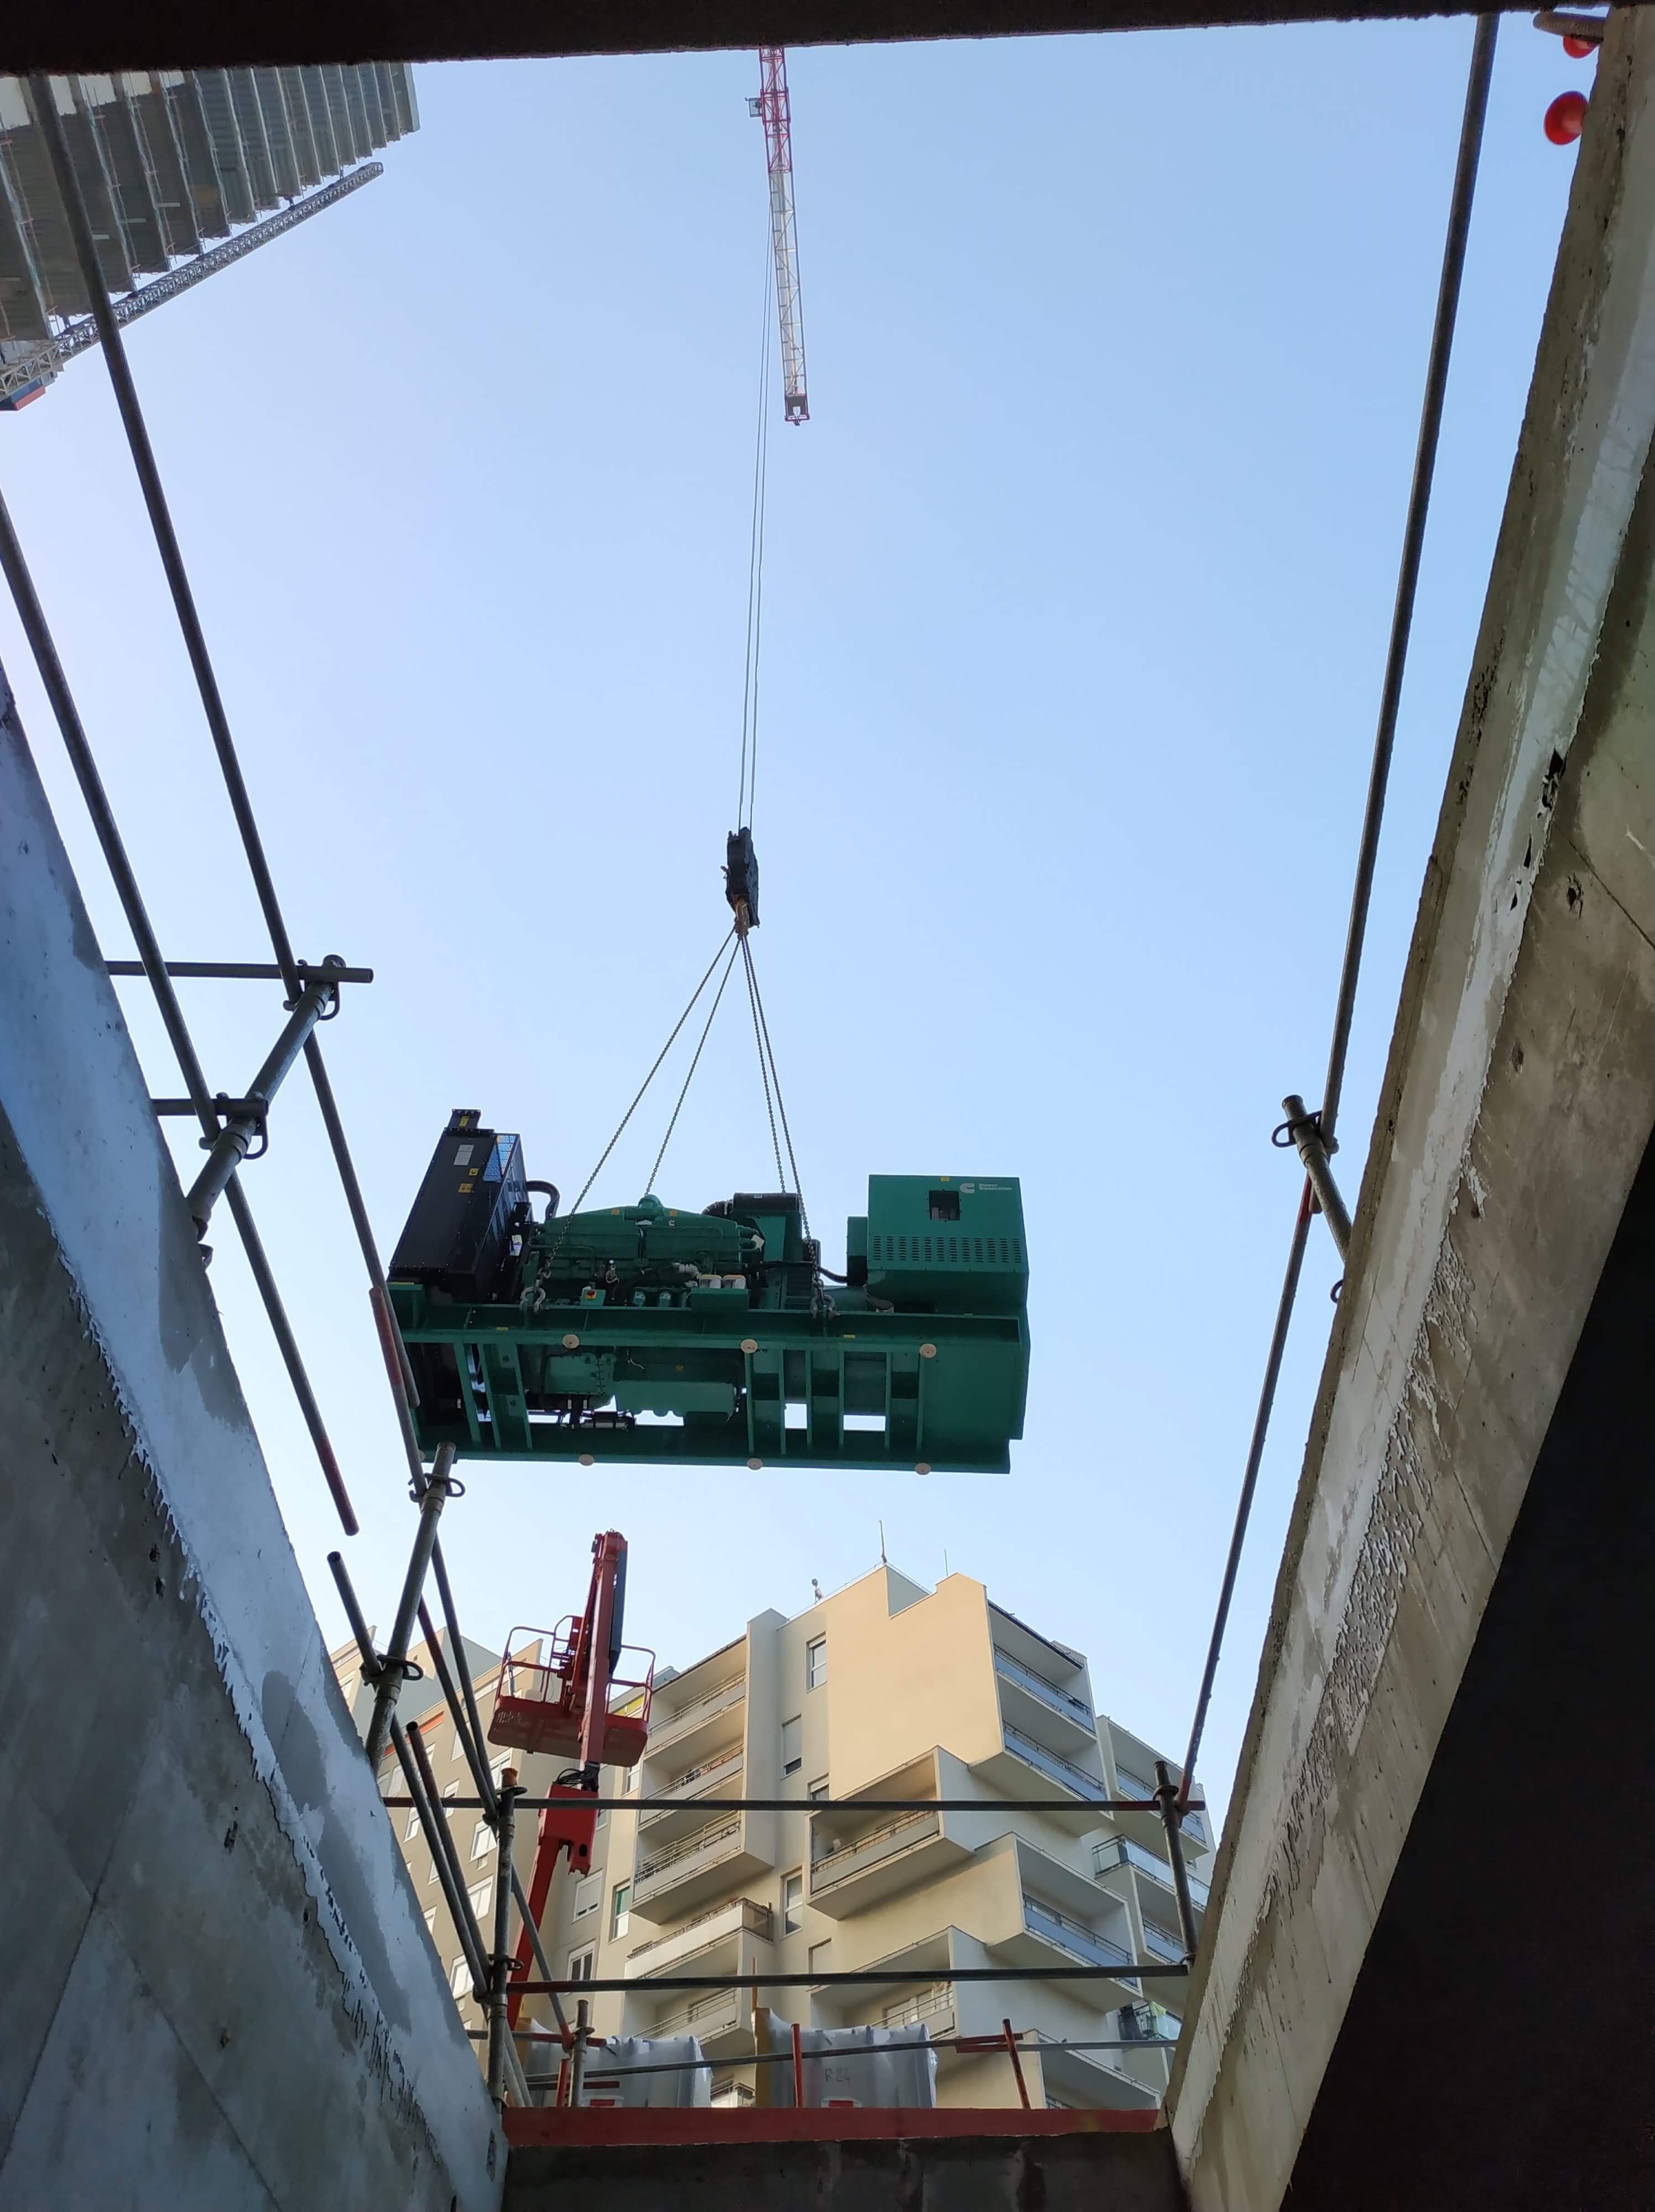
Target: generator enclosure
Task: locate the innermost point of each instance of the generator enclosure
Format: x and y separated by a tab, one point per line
712	1337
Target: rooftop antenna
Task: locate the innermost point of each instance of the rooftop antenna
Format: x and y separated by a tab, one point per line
816	1590
882	1557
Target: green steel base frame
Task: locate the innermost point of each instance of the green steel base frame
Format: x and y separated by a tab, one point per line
943	1392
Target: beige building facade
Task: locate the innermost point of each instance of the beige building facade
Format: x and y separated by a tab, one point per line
884	1690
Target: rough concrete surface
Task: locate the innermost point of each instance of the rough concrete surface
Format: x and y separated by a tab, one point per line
1516	1106
1054	2173
216	1988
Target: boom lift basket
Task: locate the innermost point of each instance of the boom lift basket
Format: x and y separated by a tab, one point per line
542	1700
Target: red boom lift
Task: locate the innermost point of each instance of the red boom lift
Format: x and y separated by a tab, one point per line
566	1695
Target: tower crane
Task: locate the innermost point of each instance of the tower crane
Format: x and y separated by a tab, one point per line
772	108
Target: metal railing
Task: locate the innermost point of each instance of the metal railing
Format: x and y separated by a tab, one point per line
872	1848
1040	1685
928	2004
1089	1786
701	1844
758	1919
710	1773
718	2008
1054	1927
1121	1851
670	1726
1162	1946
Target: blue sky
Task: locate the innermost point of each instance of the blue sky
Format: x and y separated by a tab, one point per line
1077	594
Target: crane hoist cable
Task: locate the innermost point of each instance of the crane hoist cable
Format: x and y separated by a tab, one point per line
743	810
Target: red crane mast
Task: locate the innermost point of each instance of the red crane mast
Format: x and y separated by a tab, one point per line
772	108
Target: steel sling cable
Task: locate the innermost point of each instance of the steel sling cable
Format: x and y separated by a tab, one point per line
694	1064
765	1053
653	1071
1425	456
763	1070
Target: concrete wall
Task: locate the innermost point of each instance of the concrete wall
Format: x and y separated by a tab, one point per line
1054	2173
1516	1106
215	1990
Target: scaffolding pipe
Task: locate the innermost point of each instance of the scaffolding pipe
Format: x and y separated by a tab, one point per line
500	1964
1167	1790
234	1142
1304	1130
393	1671
42	646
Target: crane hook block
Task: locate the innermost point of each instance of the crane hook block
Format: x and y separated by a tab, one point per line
741	879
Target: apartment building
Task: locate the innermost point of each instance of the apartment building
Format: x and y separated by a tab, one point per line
887	1690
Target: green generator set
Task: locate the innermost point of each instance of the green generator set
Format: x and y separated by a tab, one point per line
716	1337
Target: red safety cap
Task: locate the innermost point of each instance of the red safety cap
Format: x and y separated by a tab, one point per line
1565	118
1578	49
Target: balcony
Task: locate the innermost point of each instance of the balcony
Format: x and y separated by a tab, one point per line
714	1716
934	2009
1030	1683
725	1767
1158	1945
670	1881
1074	1936
877	1863
719	2019
1193	1824
721	1927
1121	1852
1054	1767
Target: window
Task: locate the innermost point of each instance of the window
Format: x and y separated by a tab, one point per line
431	1871
792	1903
460	1978
413	1829
431	1922
793	1756
480	1898
588	1893
945	1205
818	1957
816	1662
620	1910
482	1840
450	1789
456	1749
579	1964
819	1787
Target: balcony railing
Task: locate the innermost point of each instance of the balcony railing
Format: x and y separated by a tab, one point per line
696	1781
1121	1851
705	2015
925	2005
668	1727
758	1919
869	1849
1040	1685
1073	1935
706	1842
1162	1946
1089	1786
1134	1785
